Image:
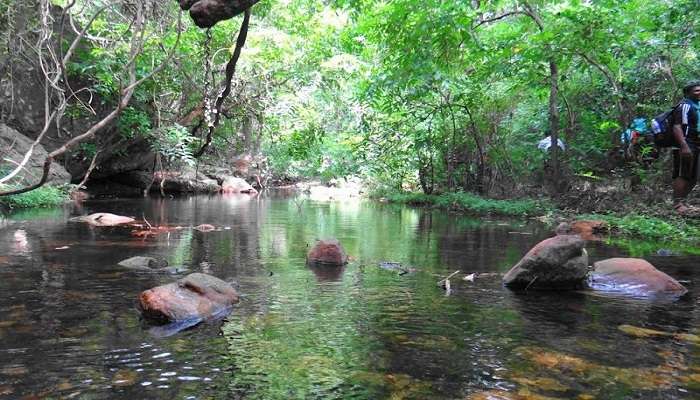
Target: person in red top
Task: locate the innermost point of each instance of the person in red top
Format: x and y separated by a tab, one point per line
685	157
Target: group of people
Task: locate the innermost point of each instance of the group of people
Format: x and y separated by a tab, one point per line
686	167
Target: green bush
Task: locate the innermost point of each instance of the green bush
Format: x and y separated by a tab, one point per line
44	196
648	227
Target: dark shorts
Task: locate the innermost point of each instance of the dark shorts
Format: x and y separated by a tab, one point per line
686	168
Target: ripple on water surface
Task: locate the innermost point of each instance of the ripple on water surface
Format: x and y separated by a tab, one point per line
69	327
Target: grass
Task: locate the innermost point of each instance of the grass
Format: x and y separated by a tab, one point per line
676	233
668	229
44	196
471	203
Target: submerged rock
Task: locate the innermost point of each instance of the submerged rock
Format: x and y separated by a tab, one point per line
195	297
143	263
103	219
396	267
327	252
633	276
173	270
558	263
640	332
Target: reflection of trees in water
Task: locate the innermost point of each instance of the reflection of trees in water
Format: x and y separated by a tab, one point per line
472	245
234	249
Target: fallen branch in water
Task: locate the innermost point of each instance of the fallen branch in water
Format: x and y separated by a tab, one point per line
146	221
442	282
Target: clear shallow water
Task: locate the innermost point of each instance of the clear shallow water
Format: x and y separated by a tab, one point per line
69	327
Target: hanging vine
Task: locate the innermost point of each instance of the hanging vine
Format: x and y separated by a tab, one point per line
230	70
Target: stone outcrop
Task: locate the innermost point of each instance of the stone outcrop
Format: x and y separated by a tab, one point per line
327	252
195	297
103	219
13	146
232	184
558	263
206	13
186	181
634	277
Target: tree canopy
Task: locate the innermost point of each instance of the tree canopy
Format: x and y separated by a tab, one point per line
442	96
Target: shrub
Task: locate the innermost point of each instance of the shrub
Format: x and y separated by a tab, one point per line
471	203
44	196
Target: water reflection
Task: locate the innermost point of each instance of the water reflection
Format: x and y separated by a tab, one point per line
327	273
68	325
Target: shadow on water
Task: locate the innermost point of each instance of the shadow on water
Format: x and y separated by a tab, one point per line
69	326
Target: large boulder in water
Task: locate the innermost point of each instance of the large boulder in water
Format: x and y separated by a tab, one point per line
634	277
327	252
103	219
558	263
196	297
232	184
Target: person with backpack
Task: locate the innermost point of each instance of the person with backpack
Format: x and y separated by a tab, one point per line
684	125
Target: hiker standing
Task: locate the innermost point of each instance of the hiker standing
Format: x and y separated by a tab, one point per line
685	157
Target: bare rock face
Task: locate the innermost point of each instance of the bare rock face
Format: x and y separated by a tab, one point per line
197	297
558	263
14	145
327	252
633	276
103	219
184	181
206	13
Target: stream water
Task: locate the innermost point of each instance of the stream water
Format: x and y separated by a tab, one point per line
69	327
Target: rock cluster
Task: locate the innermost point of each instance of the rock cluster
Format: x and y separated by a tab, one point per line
561	263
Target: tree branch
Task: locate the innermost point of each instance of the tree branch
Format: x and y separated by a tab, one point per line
230	70
126	94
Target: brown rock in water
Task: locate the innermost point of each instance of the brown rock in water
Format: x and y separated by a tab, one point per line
206	13
558	263
328	252
633	276
196	296
103	219
587	229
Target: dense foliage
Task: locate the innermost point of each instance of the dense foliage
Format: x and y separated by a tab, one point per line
439	96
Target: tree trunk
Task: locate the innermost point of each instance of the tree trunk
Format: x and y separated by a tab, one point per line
554	124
